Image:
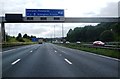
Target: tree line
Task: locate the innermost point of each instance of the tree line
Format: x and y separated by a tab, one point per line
107	32
19	37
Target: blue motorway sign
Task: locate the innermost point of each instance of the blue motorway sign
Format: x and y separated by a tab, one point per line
44	12
34	39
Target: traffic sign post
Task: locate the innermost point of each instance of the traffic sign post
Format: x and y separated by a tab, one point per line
3	32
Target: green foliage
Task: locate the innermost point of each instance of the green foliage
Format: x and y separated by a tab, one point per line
107	35
19	38
25	36
26	40
12	39
92	33
7	37
106	52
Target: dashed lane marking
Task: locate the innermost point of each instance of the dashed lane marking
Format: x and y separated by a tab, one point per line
15	61
68	61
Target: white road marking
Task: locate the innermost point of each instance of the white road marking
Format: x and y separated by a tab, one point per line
89	53
15	61
109	57
63	52
9	50
31	51
18	48
55	51
67	61
104	56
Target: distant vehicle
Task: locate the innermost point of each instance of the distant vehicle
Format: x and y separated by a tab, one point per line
67	42
98	43
61	42
40	41
78	42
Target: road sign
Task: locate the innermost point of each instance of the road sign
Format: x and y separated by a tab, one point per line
13	17
44	12
34	39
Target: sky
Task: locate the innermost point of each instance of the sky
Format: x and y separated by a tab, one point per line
72	8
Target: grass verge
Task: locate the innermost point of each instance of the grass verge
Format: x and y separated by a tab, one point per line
101	51
12	44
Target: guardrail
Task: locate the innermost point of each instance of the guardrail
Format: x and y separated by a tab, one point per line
15	44
102	47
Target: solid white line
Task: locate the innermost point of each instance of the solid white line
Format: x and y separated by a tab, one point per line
92	54
63	52
98	55
9	50
17	48
67	61
15	61
103	56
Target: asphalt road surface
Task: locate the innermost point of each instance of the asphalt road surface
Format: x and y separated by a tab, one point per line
49	60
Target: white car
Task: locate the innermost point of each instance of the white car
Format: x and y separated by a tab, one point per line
98	43
67	42
78	42
61	42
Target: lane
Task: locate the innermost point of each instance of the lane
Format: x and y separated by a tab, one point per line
44	62
12	55
91	65
50	60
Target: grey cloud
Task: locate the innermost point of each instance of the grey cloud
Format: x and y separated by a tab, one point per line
110	10
119	8
90	13
41	30
18	6
45	30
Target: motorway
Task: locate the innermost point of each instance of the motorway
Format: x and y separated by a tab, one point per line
49	60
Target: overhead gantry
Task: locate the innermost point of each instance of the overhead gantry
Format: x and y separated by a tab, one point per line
17	18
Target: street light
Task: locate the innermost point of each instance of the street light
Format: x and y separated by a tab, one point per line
63	29
54	33
62	32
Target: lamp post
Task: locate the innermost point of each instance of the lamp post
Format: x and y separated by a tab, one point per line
54	33
62	32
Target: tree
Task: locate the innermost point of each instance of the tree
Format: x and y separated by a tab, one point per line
32	36
7	37
19	38
102	31
25	36
107	35
19	35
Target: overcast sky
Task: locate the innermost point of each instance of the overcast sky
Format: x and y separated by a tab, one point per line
73	8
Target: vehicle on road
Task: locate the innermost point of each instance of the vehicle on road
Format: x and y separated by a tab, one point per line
61	42
78	42
98	43
40	41
67	42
